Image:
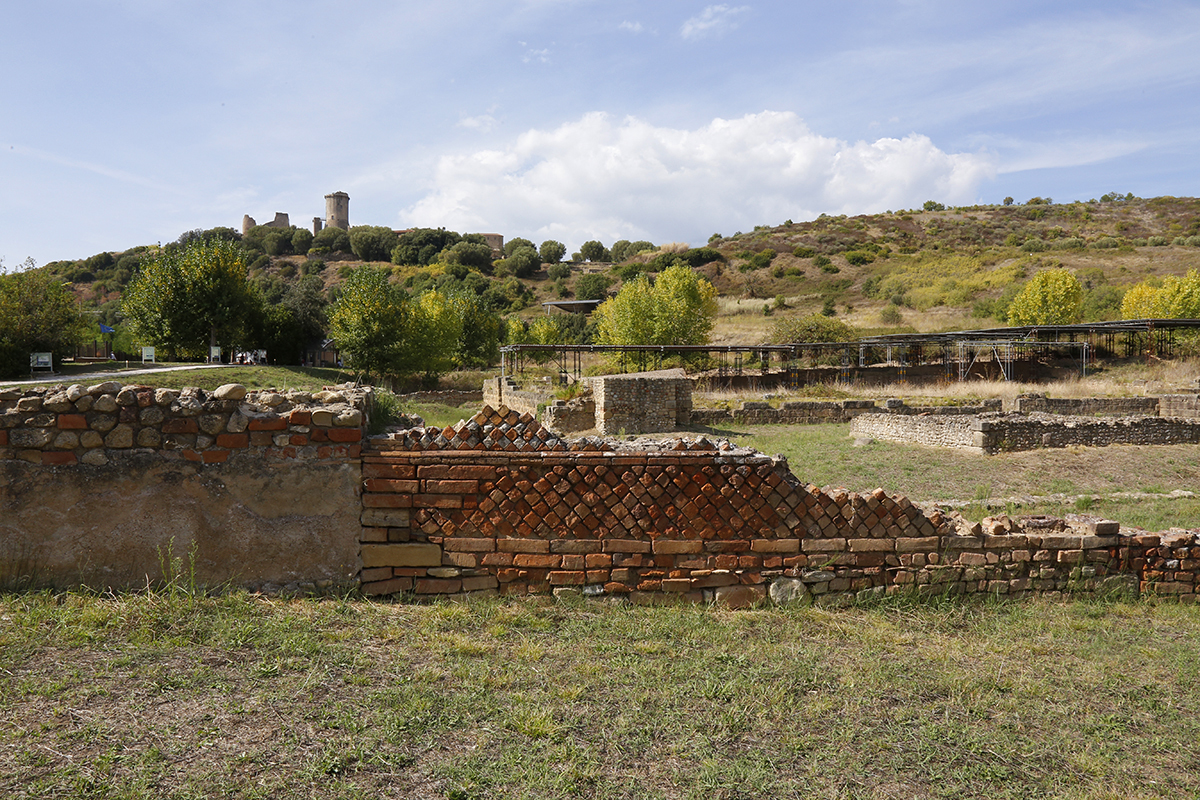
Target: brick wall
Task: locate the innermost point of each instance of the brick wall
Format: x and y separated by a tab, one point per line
500	505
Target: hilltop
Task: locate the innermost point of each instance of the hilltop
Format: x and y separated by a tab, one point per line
923	269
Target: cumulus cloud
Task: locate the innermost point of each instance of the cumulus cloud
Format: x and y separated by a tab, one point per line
632	27
711	21
598	177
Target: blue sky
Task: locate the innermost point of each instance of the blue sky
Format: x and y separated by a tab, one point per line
127	122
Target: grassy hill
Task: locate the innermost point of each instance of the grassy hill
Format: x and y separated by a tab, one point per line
918	270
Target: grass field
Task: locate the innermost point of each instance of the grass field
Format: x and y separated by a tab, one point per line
168	694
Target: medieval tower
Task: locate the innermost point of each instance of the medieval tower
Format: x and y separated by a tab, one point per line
337	210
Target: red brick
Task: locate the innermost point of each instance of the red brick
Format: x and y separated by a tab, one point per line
386	501
344	434
299	417
498	560
468	545
192	455
261	439
233	440
215	456
389	485
523	545
614	587
372	470
537	561
567	578
672	546
598	560
437	501
318	435
298	439
58	458
180	425
626	545
479	583
471	472
677	584
572	562
437	585
3	438
268	424
72	422
375	574
452	487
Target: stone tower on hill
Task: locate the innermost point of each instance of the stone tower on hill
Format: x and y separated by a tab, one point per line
337	210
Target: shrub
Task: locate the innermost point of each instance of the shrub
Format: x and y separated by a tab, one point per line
1071	243
558	271
822	262
592	287
858	258
1106	243
1158	241
933	205
813	328
1032	245
891	315
800	251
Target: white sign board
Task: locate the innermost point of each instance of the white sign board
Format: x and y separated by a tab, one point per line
147	355
41	361
214	354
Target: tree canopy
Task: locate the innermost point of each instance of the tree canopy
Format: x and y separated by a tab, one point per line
1177	298
188	298
1052	297
37	314
677	308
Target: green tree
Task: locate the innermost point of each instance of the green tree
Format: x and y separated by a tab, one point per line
1052	297
387	333
469	254
330	240
372	242
512	245
678	308
595	251
552	252
1177	298
592	287
812	328
423	245
189	298
37	314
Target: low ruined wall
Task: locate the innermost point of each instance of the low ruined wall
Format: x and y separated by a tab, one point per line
1088	406
500	505
103	485
934	430
996	433
1179	406
818	412
499	392
1012	432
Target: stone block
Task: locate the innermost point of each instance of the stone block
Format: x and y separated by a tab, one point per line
385	517
739	596
406	554
788	546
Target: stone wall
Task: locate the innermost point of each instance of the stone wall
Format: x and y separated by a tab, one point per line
1179	406
817	412
500	505
933	430
646	401
995	433
103	485
1087	406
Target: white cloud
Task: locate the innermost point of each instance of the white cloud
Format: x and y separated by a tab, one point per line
541	56
712	20
632	27
483	122
599	178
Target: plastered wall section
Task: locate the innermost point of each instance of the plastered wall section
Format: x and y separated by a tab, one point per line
500	505
106	486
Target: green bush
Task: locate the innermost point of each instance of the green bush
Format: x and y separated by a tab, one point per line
1158	241
890	315
822	262
1032	245
858	258
800	251
933	205
1106	243
558	271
